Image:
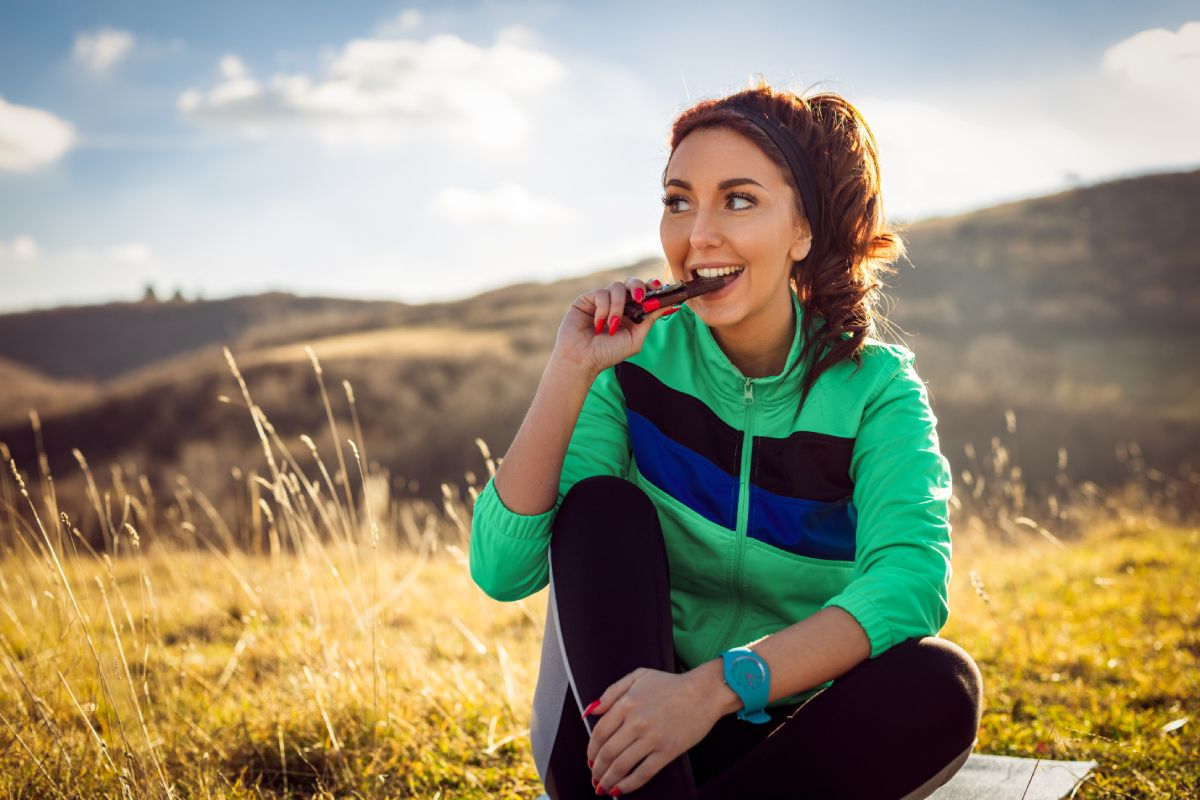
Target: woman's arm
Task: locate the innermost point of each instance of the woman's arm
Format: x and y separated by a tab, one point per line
528	476
575	428
899	588
814	650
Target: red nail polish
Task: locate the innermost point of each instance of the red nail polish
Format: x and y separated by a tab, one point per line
599	325
656	283
591	762
651	304
590	708
670	311
614	792
600	790
613	324
638	294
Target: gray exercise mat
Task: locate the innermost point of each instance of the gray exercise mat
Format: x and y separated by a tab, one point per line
986	777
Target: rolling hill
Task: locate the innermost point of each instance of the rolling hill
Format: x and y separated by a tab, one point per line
1078	312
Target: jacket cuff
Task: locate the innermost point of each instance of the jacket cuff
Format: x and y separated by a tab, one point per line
495	516
867	614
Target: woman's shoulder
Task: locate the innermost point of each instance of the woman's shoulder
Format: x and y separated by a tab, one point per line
876	361
889	357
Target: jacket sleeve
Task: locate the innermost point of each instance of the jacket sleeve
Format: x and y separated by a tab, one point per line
507	550
902	485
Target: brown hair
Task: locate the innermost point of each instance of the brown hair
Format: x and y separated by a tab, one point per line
853	244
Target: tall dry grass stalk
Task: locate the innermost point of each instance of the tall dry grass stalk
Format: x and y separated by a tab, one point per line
323	603
330	640
993	502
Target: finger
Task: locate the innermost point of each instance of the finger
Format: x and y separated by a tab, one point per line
641	331
651	765
616	690
616	309
600	731
601	299
630	749
636	287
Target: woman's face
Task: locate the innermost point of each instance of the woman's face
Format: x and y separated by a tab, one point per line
726	204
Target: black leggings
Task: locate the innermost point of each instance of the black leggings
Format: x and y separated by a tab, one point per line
896	726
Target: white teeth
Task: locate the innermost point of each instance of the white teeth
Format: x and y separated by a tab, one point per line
713	272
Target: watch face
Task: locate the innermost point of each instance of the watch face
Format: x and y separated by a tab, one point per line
748	672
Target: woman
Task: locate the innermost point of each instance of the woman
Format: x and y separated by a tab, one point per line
741	511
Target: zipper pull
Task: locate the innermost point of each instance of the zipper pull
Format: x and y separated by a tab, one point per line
748	396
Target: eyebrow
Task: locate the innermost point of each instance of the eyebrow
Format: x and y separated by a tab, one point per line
725	184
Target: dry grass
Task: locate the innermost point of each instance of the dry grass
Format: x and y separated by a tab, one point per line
312	648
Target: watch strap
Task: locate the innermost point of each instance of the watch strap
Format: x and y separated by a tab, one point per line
753	694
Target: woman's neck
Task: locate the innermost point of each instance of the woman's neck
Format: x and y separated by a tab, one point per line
759	346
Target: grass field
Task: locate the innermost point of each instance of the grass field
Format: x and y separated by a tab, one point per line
352	656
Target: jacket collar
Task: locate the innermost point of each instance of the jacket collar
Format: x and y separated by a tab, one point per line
728	379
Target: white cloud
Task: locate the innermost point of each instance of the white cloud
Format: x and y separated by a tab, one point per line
31	138
23	249
130	253
936	159
509	202
1137	109
232	68
405	22
37	276
26	250
102	49
1160	60
379	90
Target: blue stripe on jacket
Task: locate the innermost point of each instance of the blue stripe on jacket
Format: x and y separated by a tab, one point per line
811	528
683	473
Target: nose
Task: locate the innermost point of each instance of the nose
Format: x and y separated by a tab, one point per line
706	230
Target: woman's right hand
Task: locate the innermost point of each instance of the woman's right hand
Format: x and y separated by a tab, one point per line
595	333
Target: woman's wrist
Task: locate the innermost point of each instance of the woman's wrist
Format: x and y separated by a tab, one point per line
562	364
714	692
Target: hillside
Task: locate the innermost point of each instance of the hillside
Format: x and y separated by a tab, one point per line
23	388
104	341
1060	329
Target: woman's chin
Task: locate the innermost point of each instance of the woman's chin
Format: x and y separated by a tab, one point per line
719	314
726	308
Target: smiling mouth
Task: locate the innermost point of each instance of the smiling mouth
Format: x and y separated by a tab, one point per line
714	272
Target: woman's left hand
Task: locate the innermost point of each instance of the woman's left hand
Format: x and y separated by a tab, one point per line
648	714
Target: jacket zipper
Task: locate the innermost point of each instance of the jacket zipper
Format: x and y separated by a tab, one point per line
743	512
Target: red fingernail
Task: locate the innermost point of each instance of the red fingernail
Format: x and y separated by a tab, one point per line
638	294
590	708
656	282
614	792
613	324
670	311
599	789
599	325
591	762
651	304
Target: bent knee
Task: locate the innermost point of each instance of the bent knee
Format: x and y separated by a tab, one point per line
947	677
603	507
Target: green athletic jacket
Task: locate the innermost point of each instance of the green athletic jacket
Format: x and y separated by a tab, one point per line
768	515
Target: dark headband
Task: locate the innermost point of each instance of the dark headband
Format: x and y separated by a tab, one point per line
793	153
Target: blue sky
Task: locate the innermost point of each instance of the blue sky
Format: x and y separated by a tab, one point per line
417	151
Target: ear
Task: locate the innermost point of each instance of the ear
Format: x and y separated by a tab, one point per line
802	243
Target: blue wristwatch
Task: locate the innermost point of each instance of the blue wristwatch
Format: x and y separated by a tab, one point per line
750	678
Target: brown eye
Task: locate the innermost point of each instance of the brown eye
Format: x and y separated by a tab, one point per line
747	200
673	202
